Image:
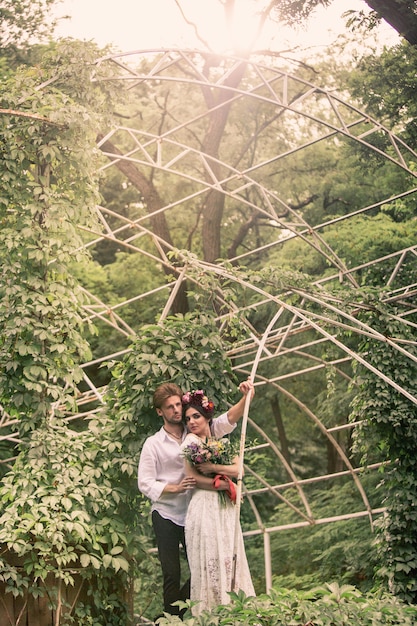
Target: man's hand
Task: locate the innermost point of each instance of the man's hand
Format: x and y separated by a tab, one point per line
187	483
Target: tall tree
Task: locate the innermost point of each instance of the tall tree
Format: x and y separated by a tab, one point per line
386	84
400	14
222	132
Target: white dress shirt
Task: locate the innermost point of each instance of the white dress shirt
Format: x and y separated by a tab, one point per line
161	464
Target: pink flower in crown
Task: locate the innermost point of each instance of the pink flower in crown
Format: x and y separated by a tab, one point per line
198	398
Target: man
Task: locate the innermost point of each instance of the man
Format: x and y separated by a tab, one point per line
162	479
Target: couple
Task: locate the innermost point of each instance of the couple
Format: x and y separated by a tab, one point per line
170	482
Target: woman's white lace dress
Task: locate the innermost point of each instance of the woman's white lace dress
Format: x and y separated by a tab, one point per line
209	537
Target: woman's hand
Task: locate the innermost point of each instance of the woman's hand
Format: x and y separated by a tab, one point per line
223	483
246	387
206	468
235	412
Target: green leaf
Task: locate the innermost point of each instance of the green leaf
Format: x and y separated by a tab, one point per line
120	563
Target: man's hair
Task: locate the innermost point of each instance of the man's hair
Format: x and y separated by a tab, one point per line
163	392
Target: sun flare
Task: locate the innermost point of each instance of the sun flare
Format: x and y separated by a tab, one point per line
141	24
232	31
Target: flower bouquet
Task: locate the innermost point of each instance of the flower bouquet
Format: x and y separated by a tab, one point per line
216	451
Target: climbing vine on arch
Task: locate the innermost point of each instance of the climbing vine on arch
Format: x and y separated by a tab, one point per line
388	432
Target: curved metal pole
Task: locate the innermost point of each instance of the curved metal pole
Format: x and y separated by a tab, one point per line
304	316
248	398
239	490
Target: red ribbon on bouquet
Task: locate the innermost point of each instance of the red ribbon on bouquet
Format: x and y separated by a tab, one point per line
230	491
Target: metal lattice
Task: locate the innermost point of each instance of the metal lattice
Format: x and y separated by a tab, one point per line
294	327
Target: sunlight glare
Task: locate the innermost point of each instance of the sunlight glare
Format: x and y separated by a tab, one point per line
232	34
142	24
244	26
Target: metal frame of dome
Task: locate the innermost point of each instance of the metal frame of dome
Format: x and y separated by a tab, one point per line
166	152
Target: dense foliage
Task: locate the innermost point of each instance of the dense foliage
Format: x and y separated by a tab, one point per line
327	605
61	524
372	82
389	431
20	20
48	184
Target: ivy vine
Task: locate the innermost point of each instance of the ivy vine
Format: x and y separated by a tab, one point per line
389	433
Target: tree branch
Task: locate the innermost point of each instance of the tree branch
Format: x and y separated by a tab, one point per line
33	116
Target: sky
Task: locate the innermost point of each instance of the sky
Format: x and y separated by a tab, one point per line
130	25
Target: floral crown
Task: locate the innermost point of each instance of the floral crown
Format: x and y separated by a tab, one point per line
199	398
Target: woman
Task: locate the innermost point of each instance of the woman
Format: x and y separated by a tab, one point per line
210	522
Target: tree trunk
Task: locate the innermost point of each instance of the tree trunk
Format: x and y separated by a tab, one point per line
276	412
158	222
334	461
400	14
213	206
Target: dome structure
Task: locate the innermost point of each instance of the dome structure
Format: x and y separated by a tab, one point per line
216	158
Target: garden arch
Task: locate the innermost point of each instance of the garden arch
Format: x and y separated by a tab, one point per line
317	319
296	320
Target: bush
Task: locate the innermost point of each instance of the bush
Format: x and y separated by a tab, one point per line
329	605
